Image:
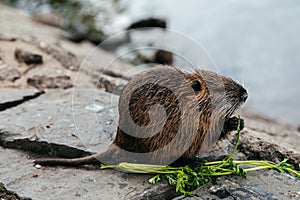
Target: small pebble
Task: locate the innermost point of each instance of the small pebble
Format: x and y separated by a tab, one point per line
72	68
43	44
38	166
35	175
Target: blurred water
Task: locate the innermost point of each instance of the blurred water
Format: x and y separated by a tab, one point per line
254	41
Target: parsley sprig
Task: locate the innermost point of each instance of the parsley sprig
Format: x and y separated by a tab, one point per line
186	179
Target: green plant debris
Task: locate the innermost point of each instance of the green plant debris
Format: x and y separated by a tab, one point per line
1	187
186	179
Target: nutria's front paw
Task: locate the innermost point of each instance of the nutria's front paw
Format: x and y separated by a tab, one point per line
232	124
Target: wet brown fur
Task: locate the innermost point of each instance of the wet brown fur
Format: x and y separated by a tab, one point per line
213	104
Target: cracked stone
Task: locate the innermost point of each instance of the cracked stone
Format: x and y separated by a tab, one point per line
54	118
15	94
14	97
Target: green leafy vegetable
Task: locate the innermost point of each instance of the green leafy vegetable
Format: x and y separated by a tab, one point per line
186	179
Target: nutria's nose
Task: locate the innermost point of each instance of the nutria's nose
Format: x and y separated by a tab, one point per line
244	94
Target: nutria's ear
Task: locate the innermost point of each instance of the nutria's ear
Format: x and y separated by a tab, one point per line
196	85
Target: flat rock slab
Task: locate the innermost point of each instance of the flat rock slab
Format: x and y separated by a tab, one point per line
73	120
68	123
266	184
19	175
272	131
11	95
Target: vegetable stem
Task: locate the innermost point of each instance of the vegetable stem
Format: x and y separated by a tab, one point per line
186	179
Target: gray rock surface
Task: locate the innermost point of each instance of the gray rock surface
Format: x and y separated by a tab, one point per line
272	131
12	95
54	118
18	174
255	186
46	126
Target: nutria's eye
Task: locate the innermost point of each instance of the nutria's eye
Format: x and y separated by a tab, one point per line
196	85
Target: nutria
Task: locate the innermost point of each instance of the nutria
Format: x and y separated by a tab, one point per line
166	114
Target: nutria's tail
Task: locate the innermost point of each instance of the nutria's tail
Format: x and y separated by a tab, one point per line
68	162
92	159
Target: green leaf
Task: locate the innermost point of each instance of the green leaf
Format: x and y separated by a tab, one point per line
186	179
171	179
154	179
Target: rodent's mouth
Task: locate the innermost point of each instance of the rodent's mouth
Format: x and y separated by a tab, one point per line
234	108
229	116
